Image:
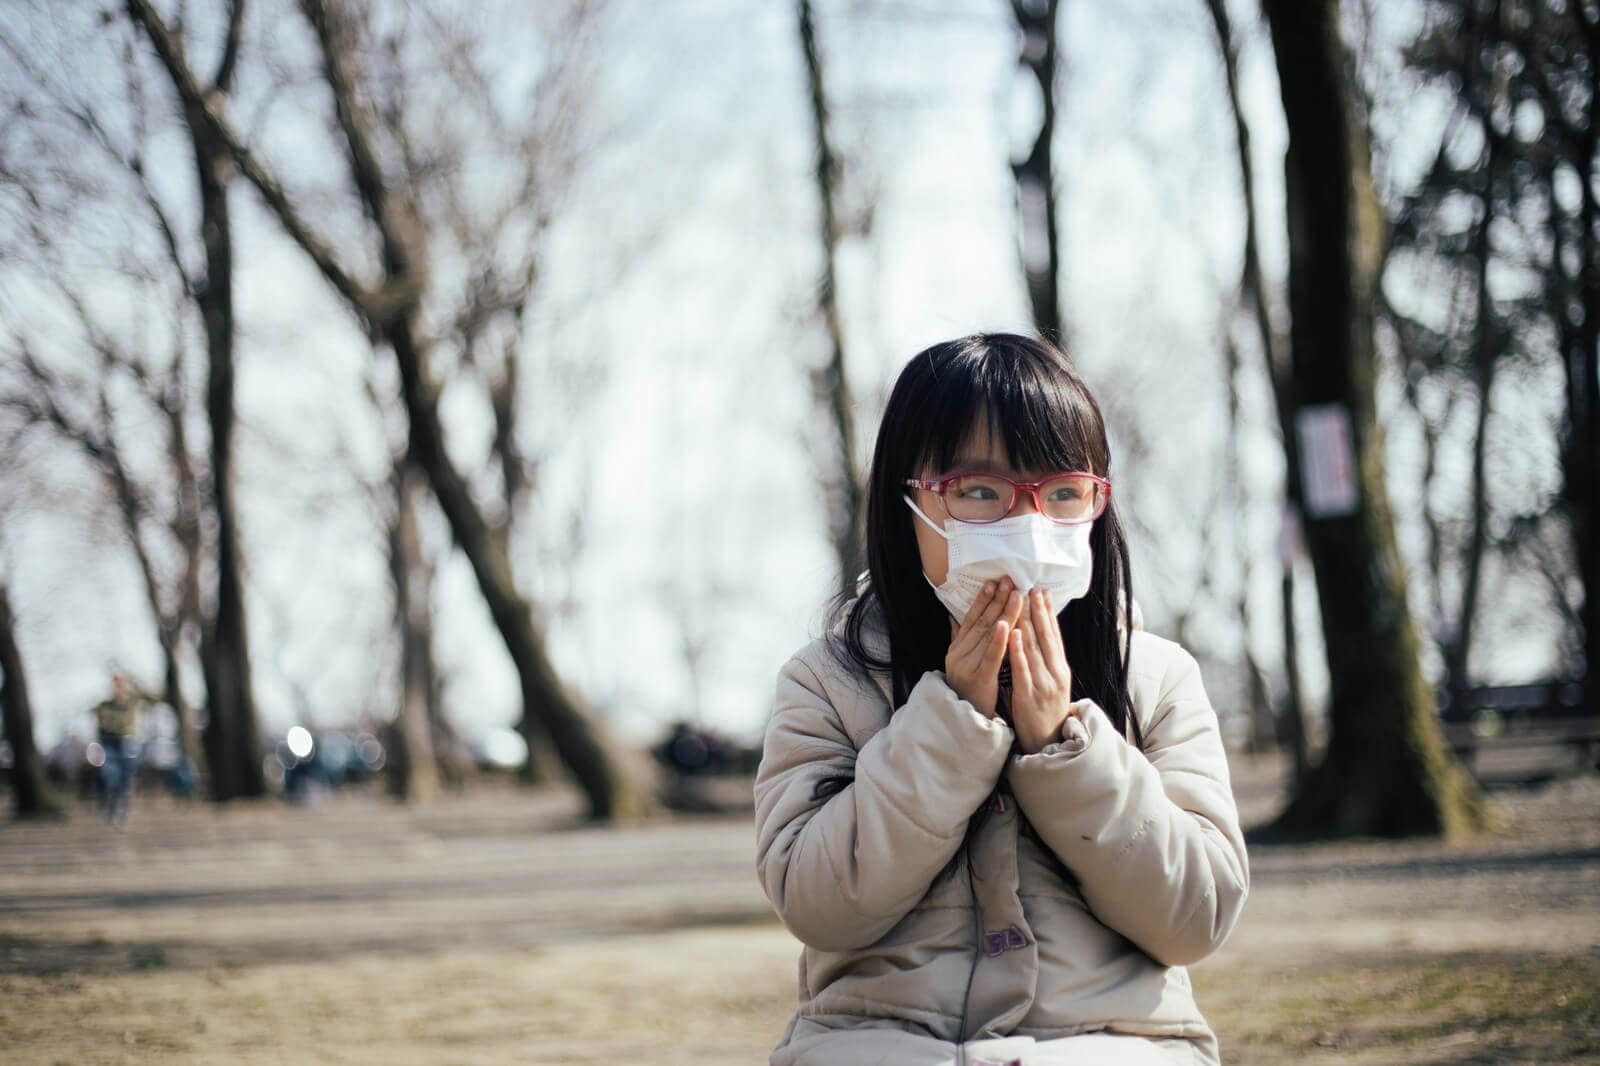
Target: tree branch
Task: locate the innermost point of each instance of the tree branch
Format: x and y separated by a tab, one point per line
221	81
271	190
365	170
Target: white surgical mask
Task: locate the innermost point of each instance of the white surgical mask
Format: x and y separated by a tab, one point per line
1029	549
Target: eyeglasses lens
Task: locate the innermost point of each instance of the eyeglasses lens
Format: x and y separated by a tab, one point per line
981	498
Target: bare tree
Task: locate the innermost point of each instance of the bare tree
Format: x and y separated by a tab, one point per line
232	744
1386	770
846	497
1035	174
1273	345
501	245
30	790
69	395
391	307
1520	148
45	401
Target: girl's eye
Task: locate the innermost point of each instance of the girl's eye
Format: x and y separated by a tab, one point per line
1066	493
976	492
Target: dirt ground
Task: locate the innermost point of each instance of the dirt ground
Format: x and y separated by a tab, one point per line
491	929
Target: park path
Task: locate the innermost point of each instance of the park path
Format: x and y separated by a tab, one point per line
501	868
495	868
495	927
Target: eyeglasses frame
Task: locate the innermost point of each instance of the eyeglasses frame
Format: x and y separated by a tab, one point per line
937	487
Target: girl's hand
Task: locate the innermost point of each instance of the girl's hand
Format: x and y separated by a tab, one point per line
978	644
1041	680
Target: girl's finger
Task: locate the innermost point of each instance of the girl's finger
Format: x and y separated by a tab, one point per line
1048	630
1036	633
975	612
996	649
998	599
1012	611
1055	652
1021	675
972	645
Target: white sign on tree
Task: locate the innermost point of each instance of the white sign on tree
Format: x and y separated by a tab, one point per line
1327	460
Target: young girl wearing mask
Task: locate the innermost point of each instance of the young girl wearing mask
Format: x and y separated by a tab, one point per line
993	809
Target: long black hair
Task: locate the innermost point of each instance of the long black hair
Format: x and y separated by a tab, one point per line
1038	406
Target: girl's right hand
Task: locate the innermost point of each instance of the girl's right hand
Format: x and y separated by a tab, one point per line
978	645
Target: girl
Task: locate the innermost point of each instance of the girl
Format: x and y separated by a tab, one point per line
993	809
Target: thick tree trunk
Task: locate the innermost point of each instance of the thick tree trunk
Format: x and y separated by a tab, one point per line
847	525
1386	771
1035	175
30	790
413	772
233	752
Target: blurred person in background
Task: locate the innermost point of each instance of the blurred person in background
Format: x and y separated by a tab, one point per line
116	725
996	811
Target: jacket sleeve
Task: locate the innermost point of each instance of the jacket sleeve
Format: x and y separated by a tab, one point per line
842	868
1153	837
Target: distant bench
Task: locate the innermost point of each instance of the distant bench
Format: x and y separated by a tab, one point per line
1543	714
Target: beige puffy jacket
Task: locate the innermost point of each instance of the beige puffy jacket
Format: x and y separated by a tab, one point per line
956	892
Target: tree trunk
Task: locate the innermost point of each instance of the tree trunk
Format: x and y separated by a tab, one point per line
448	752
1385	771
1035	175
1263	730
1486	347
1290	727
1458	650
232	746
185	617
846	522
504	393
579	745
1581	453
1291	723
30	790
413	773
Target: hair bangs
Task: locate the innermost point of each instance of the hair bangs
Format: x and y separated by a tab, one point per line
1031	396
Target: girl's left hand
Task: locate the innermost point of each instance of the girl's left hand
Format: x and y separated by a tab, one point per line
1041	680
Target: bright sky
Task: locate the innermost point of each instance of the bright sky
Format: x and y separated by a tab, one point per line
680	275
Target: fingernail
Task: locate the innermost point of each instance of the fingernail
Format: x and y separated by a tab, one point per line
988	587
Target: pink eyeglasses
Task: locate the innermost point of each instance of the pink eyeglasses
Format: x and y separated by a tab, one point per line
980	497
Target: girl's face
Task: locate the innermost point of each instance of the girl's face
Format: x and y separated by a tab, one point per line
982	450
